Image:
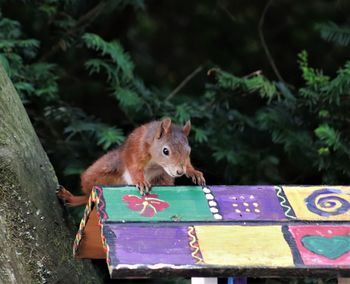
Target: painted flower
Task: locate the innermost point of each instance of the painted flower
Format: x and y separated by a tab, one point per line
147	205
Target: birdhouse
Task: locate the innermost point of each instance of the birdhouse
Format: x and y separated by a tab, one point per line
218	230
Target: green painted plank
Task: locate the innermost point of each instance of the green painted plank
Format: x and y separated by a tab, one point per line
167	203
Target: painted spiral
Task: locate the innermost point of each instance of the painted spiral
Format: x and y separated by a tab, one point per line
327	202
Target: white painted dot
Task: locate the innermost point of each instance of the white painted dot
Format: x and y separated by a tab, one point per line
234	204
209	196
233	197
206	190
212	203
255	204
329	231
214	210
217	216
257	210
238	211
241	197
251	197
247	210
245	204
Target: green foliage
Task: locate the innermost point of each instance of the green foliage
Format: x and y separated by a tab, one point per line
118	67
335	33
252	84
183	112
128	98
307	124
328	135
340	85
37	79
314	78
123	65
109	136
200	135
37	82
106	136
245	129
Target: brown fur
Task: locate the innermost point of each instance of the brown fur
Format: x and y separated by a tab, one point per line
142	157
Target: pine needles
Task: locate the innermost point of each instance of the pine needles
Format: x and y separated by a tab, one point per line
334	33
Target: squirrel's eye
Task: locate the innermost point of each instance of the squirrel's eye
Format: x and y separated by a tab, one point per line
165	151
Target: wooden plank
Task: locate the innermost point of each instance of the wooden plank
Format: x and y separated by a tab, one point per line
236	280
252	231
125	204
255	250
91	243
331	203
238	203
204	280
224	203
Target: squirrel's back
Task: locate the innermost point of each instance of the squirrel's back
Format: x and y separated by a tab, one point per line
111	167
153	154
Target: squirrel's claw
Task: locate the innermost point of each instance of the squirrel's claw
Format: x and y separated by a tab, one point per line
63	193
194	180
201	181
66	196
144	187
197	177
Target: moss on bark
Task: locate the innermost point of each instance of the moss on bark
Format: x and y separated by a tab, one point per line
37	241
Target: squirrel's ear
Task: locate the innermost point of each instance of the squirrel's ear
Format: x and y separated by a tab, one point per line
164	127
187	128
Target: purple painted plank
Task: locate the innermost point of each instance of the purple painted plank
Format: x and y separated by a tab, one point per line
145	245
248	202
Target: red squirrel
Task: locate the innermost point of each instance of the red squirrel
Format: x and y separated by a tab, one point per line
153	154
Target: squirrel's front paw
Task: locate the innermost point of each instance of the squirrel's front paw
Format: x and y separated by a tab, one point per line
63	193
197	177
144	186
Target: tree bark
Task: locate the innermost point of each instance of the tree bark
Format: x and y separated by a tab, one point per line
35	240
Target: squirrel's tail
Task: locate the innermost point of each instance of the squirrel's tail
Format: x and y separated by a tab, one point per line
70	199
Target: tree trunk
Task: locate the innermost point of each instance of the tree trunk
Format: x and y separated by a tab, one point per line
35	241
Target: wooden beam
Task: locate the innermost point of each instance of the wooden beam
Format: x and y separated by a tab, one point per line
204	280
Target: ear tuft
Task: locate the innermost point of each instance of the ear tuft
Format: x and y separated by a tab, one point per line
164	128
187	128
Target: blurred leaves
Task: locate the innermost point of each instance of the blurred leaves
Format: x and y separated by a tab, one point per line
334	33
128	98
256	83
328	135
245	128
124	67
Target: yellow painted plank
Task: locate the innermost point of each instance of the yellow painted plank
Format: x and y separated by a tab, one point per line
319	202
244	246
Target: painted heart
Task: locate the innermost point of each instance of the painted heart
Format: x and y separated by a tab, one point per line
332	247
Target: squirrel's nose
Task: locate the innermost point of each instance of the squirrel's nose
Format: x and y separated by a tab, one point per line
179	172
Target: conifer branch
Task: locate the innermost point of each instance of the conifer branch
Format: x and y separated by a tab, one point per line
184	82
264	44
83	21
229	14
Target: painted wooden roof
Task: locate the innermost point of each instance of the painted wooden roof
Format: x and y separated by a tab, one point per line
218	230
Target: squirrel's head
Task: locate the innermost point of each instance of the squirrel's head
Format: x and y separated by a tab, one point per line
170	147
